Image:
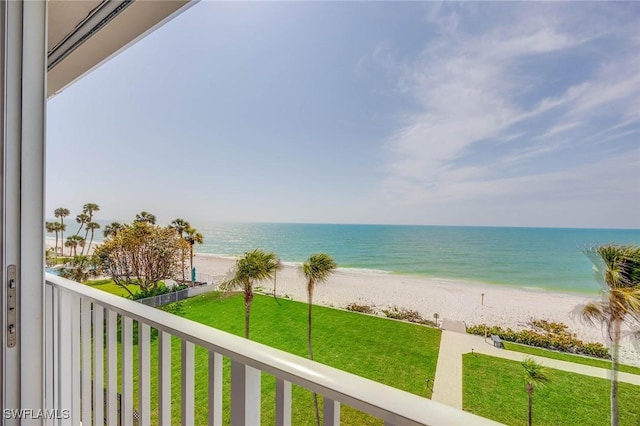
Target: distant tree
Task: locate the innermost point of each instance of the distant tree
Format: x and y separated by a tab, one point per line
91	227
51	228
81	268
192	237
141	254
316	269
535	375
618	271
87	217
112	229
253	267
89	209
61	213
181	225
146	217
82	219
73	242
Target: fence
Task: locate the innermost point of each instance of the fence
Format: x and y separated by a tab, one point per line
165	299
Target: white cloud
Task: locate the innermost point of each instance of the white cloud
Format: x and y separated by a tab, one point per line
473	127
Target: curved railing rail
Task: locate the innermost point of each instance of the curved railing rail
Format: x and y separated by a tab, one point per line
78	316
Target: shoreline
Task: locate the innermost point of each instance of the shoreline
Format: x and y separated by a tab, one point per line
505	306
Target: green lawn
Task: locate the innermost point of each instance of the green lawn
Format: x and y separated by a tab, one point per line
494	388
399	354
562	356
108	285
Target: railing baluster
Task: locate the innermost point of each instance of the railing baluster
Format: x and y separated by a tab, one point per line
245	394
283	402
65	360
50	345
126	404
215	389
85	330
164	378
187	384
112	367
330	412
98	365
144	371
75	358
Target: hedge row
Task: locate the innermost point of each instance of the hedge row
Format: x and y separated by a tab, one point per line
549	336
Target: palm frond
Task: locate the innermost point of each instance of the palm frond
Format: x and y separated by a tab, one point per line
535	374
593	313
318	267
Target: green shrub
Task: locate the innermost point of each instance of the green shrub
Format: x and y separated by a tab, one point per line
404	314
365	309
553	336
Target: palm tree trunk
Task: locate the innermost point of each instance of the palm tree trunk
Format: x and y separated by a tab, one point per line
530	394
310	327
615	349
90	242
310	344
247	313
191	264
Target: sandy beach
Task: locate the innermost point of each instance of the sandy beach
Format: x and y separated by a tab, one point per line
503	305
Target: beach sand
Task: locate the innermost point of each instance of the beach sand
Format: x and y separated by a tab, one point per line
504	306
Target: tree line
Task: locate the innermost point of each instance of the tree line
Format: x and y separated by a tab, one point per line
139	253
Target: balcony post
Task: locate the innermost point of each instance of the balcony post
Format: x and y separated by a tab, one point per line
112	367
215	389
245	394
330	412
188	383
126	405
164	378
283	402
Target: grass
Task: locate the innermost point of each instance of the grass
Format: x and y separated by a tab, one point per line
494	388
398	354
109	286
562	356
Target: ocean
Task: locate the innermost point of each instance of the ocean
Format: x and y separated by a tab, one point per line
535	258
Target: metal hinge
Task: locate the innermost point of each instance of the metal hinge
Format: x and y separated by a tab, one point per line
12	306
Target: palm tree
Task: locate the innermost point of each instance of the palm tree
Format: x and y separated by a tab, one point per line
61	213
89	208
146	217
82	219
57	227
180	225
618	269
51	227
192	238
91	227
316	269
535	375
73	242
112	229
254	266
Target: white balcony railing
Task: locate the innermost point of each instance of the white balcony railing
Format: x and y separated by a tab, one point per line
83	358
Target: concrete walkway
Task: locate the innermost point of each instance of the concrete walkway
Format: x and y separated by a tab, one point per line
447	387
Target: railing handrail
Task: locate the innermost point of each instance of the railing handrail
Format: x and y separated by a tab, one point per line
390	404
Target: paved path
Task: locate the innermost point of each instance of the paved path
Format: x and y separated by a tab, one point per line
447	387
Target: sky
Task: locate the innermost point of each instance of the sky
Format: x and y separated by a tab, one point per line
470	113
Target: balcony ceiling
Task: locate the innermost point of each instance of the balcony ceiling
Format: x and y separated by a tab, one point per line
84	33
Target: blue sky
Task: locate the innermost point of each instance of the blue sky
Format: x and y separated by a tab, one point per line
474	113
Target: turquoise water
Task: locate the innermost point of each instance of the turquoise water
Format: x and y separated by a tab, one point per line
541	258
